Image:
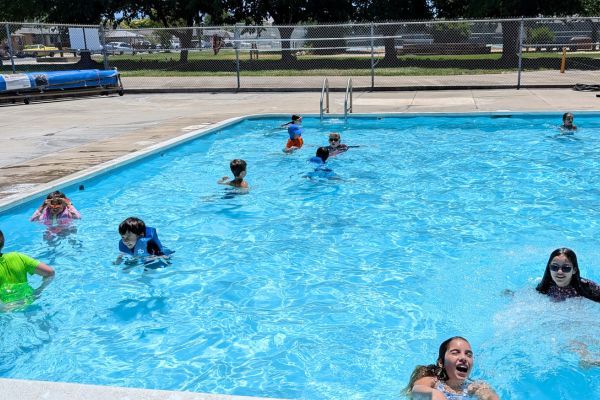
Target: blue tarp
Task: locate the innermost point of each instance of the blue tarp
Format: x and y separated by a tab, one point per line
75	79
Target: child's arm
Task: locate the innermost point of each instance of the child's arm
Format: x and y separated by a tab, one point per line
224	181
38	213
73	213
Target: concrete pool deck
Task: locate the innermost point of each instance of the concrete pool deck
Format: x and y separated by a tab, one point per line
45	141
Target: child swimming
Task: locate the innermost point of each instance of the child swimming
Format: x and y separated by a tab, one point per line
238	168
294	129
57	209
140	241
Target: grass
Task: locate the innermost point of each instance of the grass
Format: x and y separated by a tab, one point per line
227	54
165	61
409	71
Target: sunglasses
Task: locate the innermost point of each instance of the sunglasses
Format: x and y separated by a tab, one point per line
565	268
334	140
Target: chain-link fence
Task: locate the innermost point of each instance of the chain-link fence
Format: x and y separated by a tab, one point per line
427	54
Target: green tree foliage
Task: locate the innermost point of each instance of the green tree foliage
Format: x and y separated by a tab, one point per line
540	35
507	9
450	32
391	10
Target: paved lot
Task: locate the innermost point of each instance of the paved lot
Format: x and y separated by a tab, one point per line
47	140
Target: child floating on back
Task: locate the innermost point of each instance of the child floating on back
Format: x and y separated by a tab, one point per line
294	129
56	210
238	168
140	241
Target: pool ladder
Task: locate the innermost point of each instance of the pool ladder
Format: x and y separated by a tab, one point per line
348	99
325	99
324	94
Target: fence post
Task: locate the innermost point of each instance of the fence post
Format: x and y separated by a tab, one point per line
236	37
10	49
372	57
103	44
521	32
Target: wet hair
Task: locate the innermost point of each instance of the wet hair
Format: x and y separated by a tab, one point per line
565	115
334	135
237	167
576	283
323	153
56	194
133	225
436	370
1	240
296	117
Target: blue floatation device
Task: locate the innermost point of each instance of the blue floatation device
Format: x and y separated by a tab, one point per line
141	246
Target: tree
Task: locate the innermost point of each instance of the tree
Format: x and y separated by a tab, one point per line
390	10
507	9
173	14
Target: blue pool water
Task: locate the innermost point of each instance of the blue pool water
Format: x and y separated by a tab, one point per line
317	288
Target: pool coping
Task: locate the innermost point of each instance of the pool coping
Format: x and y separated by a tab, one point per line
35	390
27	195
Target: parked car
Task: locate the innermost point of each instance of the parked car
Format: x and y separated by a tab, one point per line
119	48
143	45
580	43
37	50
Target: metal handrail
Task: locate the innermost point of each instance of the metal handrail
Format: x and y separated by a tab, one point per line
348	95
324	90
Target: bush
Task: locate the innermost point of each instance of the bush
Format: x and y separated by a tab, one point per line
539	35
457	32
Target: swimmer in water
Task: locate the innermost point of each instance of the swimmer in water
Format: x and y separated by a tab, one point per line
294	129
238	168
562	279
568	122
448	378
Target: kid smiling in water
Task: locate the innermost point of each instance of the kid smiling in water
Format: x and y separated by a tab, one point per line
448	379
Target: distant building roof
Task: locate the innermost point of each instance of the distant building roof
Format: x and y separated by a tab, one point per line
122	33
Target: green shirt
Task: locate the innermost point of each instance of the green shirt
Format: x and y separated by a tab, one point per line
14	268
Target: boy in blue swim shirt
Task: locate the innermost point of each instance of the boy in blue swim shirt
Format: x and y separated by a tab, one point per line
294	129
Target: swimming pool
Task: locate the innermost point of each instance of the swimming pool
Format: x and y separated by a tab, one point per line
317	288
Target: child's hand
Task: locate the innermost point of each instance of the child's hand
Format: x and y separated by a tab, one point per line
481	390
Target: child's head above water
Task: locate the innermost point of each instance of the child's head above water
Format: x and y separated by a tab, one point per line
296	119
56	205
334	139
323	153
131	230
238	168
568	120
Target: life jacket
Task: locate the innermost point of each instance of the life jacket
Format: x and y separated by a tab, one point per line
141	246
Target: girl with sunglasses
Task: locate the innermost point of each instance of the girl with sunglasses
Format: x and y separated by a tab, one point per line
562	279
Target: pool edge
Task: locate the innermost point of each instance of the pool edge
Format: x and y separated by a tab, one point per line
34	390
